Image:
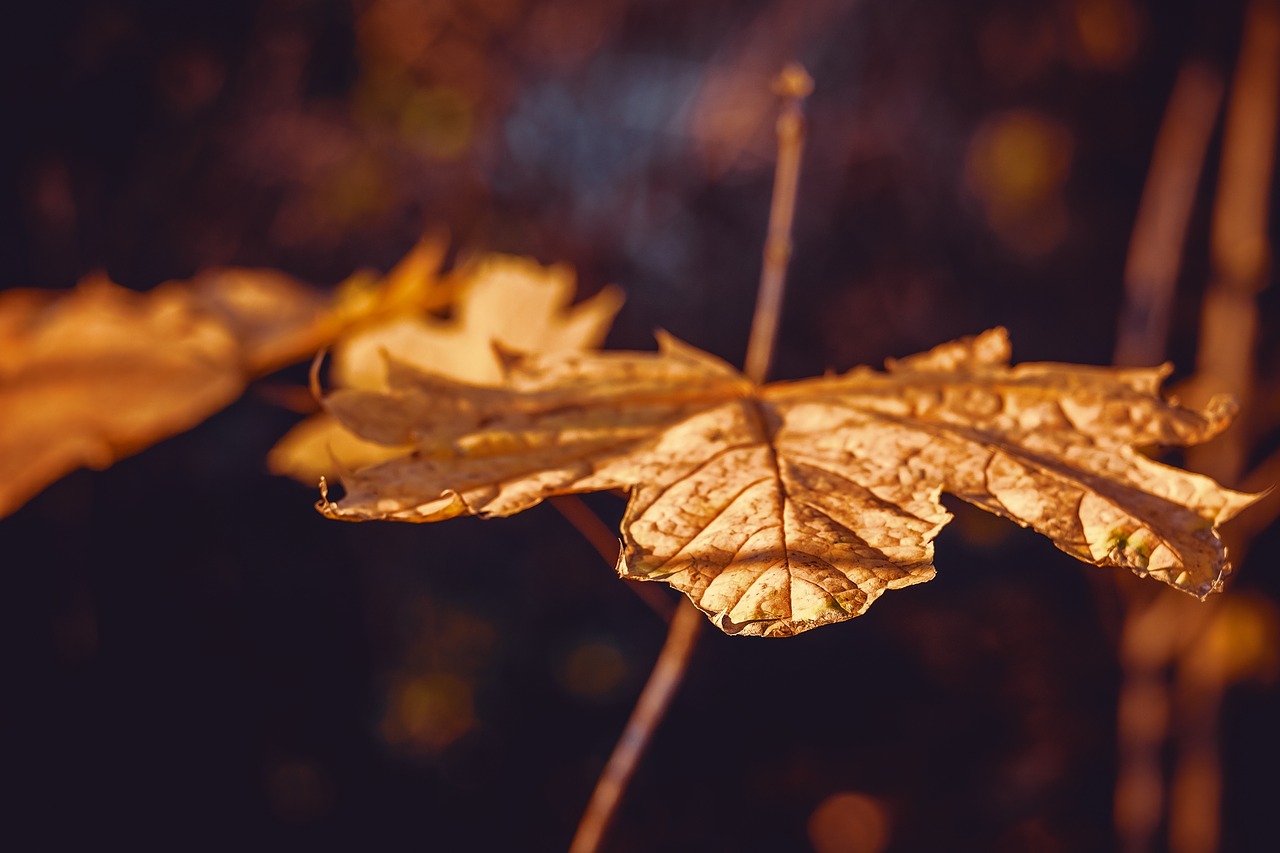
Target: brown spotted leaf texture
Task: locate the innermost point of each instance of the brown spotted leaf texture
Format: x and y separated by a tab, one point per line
782	507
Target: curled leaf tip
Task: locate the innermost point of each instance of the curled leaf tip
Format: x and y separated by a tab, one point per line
313	376
323	504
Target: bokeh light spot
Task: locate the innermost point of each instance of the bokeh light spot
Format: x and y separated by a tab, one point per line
1017	165
849	822
1108	32
438	120
428	712
594	669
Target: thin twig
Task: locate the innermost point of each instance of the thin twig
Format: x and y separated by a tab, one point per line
652	705
794	85
587	523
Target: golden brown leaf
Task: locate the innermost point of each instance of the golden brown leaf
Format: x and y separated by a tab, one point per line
511	302
95	374
101	373
783	507
272	316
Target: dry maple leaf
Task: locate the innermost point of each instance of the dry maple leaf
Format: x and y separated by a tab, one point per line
782	507
100	373
95	374
273	317
512	302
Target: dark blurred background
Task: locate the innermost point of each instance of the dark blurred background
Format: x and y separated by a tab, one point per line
199	659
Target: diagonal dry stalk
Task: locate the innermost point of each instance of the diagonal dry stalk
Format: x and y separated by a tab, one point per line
605	541
793	85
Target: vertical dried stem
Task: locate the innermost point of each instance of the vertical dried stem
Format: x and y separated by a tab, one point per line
1157	633
1159	231
794	85
1155	251
1225	362
1160	634
1195	798
1239	247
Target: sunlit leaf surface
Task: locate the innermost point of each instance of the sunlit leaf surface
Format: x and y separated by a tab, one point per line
782	507
95	374
100	373
503	303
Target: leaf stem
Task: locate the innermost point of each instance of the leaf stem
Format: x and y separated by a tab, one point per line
794	85
650	708
592	529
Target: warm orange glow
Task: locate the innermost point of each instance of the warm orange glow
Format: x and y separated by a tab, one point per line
593	669
1108	32
849	822
1016	165
428	712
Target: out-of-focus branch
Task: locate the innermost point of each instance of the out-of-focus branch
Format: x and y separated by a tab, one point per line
1150	634
1158	633
1240	253
650	708
1155	249
1225	362
592	529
